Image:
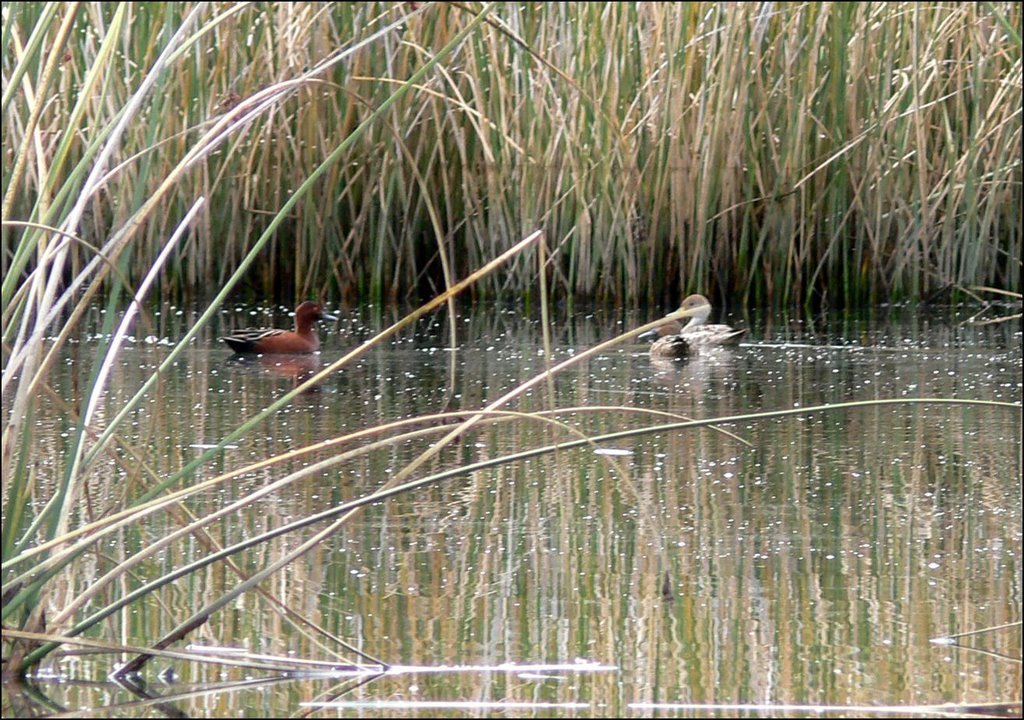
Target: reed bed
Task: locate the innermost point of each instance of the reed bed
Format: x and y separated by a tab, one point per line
770	154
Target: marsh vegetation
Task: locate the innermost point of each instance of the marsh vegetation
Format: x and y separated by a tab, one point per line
429	483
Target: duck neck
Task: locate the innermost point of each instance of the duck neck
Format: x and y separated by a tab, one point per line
697	320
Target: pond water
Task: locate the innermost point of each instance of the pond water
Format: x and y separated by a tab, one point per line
809	559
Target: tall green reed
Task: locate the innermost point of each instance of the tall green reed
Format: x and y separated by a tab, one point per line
56	292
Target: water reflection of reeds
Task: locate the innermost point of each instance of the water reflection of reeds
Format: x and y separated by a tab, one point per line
812	567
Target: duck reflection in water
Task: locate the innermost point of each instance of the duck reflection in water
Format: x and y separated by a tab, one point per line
296	368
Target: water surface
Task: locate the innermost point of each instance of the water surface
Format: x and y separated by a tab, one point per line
815	563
